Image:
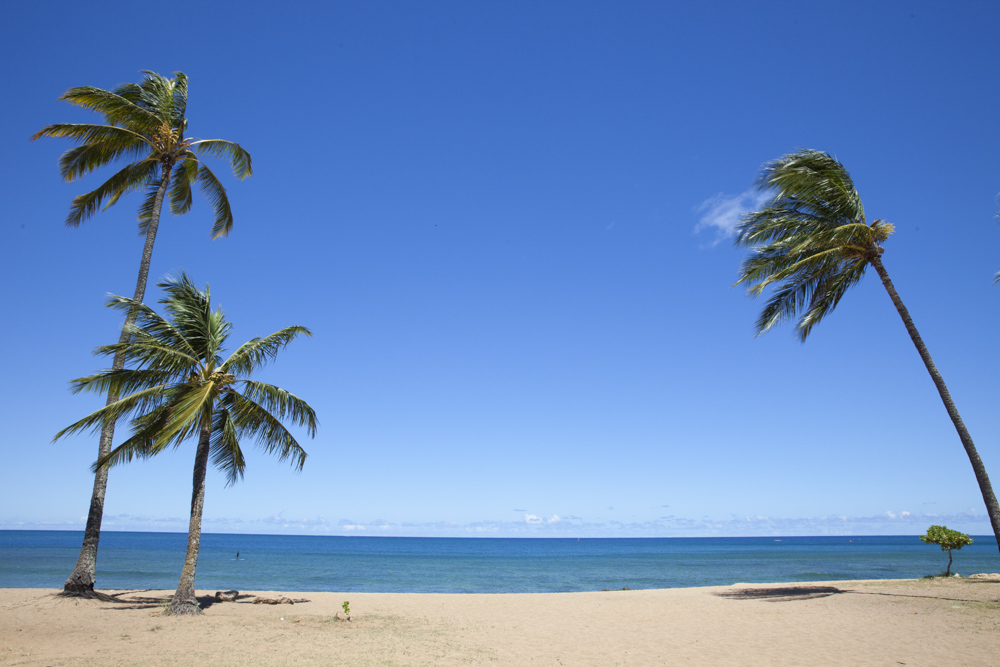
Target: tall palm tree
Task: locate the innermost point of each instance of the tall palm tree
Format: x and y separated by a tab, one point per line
811	243
180	387
145	125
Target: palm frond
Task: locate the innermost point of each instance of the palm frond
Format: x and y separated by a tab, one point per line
238	157
255	353
147	437
154	93
185	172
100	145
86	133
186	412
813	180
281	403
154	327
123	381
813	291
251	420
147	353
114	412
180	100
131	177
205	329
116	109
77	162
216	195
225	443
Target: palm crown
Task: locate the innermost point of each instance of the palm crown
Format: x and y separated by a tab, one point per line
145	123
181	386
810	241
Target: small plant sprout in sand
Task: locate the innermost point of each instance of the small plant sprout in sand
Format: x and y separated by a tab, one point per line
346	606
948	539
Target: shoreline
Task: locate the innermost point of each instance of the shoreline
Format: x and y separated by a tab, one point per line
866	622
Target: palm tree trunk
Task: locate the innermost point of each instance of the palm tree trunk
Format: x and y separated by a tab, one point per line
992	508
81	581
184	601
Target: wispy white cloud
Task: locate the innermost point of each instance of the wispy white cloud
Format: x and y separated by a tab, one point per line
722	213
889	522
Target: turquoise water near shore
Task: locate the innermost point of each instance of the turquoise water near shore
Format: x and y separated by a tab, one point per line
43	559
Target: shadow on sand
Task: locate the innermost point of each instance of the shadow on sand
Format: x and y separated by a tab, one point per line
781	594
792	593
134	599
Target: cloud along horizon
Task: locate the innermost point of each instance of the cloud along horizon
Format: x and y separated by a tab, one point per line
890	522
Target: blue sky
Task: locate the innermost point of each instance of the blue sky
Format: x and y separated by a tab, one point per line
508	226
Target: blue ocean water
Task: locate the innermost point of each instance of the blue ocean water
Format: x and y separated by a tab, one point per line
43	559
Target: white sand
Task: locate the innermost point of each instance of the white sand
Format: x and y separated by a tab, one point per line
902	622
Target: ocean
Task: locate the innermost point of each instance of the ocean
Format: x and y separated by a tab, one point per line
43	559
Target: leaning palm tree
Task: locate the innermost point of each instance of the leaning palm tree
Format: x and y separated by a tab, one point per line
180	387
145	125
810	243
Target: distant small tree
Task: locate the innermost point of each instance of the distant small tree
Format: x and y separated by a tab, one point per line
947	539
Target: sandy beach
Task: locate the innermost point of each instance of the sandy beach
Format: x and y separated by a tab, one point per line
897	622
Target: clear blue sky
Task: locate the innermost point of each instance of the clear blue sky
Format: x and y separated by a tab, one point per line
506	224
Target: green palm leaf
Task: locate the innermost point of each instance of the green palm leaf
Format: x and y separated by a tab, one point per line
224	445
256	353
138	401
218	199
185	174
238	157
283	404
253	421
116	109
131	177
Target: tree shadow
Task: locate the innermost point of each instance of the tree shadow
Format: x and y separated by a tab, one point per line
133	599
781	594
792	593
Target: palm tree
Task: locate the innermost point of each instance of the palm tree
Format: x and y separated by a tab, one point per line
811	243
144	124
180	387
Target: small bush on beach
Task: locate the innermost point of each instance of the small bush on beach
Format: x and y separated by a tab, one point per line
948	539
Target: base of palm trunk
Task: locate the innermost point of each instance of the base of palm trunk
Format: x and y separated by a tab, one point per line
183	607
76	586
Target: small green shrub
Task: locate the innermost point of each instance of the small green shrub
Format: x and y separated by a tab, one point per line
947	539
